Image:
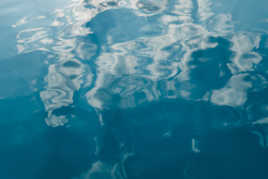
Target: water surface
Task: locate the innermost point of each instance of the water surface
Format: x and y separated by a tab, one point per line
133	89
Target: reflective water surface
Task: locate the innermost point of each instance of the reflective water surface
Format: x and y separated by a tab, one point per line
133	89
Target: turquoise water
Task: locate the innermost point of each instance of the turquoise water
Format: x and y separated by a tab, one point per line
133	89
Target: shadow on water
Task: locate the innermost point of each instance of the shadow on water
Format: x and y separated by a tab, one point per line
34	150
160	137
158	134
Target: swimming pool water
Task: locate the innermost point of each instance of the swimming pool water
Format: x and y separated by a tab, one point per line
133	89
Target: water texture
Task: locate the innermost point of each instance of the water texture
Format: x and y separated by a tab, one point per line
133	89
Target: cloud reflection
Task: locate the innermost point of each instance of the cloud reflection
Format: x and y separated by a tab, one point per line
141	51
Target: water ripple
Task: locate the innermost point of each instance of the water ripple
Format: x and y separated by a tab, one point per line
141	48
133	55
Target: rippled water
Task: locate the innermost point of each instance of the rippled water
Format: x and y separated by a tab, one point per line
133	89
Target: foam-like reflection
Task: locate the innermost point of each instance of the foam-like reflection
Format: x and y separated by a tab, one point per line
233	94
245	58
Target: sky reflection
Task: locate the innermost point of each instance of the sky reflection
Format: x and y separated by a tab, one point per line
152	45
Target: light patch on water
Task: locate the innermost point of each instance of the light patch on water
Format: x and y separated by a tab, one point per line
20	22
101	170
183	10
56	121
245	57
262	141
151	7
46	41
261	121
205	10
56	23
221	25
233	94
195	147
56	94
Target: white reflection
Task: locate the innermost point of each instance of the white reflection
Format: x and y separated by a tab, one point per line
150	7
20	22
233	94
57	94
261	121
245	57
205	10
29	40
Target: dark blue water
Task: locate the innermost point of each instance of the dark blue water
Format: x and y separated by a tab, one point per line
133	89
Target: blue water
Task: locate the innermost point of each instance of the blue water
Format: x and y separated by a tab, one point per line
133	89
